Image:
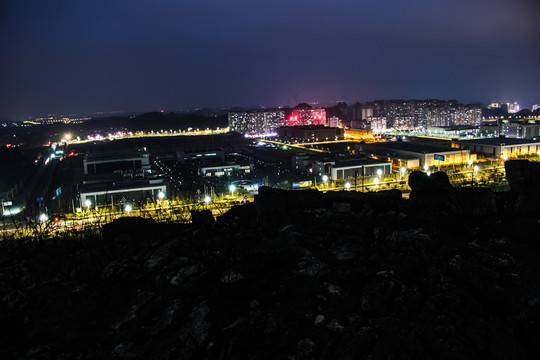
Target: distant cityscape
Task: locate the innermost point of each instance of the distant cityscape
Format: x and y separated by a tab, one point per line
73	167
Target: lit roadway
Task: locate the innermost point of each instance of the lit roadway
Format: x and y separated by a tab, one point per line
142	134
93	219
301	145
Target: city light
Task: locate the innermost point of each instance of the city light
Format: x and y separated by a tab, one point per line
87	203
207	199
426	167
379	172
232	189
347	185
505	157
128	208
43	217
161	195
325	178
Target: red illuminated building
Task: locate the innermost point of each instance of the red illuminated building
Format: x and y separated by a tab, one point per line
302	117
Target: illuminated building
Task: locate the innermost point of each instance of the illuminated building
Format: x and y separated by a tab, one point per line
510	107
311	132
498	147
513	107
421	114
306	116
219	170
535	107
107	162
347	169
520	129
425	154
377	124
334	121
256	122
113	178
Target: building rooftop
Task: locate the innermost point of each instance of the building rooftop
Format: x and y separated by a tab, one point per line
125	185
115	155
359	162
406	146
500	141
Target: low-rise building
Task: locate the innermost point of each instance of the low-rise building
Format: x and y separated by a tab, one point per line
346	169
225	169
107	162
311	132
429	155
113	178
212	155
499	147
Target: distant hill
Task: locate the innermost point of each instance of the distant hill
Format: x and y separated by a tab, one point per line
157	121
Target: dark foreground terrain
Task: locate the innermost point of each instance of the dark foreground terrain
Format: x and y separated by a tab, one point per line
449	274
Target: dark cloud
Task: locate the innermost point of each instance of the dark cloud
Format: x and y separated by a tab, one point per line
85	56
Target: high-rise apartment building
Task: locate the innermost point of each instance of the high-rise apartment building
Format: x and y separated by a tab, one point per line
420	114
257	122
306	116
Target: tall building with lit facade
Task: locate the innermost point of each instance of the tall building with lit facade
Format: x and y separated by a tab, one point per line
421	114
306	116
256	122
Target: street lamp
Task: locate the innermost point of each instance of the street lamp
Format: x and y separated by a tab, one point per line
43	217
232	188
505	157
87	203
207	199
376	182
347	185
325	180
161	195
426	167
379	172
128	208
475	169
402	171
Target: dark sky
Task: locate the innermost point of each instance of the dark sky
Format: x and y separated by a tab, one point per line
106	55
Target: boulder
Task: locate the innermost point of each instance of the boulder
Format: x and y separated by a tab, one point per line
202	218
136	228
524	179
430	192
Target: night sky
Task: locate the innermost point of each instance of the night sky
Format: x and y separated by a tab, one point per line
78	56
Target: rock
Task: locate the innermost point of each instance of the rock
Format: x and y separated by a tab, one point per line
163	255
185	273
430	192
477	202
523	177
196	326
341	207
319	319
137	304
305	349
202	218
86	265
334	325
127	350
245	215
167	317
135	227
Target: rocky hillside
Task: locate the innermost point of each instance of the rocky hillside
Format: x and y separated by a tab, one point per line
294	275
